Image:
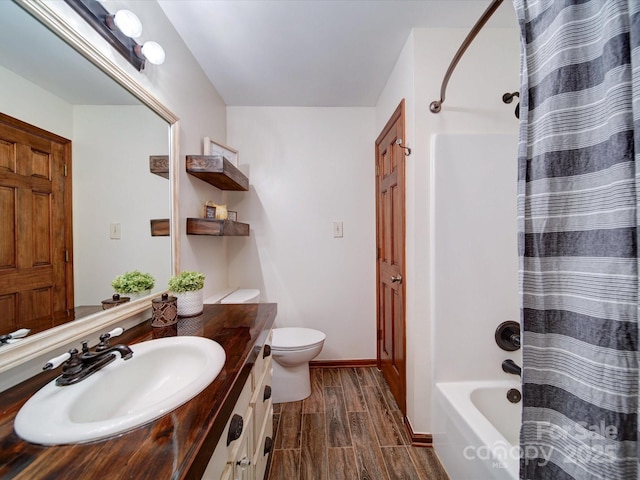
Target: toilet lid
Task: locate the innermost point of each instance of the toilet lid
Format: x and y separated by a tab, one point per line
291	338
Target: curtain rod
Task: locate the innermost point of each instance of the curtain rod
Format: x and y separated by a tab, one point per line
436	105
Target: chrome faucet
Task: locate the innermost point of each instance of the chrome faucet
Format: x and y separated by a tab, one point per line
79	365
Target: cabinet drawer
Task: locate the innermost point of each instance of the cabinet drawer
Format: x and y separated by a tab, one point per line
265	446
263	356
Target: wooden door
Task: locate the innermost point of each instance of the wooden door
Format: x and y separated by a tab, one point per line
390	220
36	273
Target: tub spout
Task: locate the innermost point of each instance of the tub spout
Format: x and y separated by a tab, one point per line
509	366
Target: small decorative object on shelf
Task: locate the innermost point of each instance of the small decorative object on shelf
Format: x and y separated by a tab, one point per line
232	215
165	311
221	212
209	209
211	147
187	287
214	211
133	284
114	301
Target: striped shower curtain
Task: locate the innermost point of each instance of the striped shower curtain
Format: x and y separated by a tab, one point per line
578	237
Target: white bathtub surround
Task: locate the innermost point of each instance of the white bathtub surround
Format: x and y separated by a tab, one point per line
476	438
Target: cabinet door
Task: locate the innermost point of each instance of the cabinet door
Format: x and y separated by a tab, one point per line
227	450
265	445
243	468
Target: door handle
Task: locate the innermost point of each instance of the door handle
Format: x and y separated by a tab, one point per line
396	278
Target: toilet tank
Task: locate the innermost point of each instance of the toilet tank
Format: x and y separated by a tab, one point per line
243	295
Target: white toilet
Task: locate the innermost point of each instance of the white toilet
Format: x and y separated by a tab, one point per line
292	349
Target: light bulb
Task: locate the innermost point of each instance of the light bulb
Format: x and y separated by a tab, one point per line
128	23
153	52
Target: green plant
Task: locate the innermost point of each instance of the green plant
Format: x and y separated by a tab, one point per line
186	281
133	282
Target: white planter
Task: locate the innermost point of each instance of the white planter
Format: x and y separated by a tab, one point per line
190	304
136	296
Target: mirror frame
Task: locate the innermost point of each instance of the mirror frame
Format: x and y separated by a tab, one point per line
31	347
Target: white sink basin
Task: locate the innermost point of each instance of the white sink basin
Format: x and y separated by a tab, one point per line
162	375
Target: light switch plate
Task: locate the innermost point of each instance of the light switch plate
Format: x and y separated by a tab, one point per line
337	229
114	231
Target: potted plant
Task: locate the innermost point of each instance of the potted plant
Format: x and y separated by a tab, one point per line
133	284
187	287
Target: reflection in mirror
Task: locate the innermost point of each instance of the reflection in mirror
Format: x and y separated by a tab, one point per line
48	84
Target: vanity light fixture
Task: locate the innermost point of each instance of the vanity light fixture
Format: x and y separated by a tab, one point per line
119	29
152	51
127	22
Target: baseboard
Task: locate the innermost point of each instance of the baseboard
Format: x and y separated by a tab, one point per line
418	439
343	363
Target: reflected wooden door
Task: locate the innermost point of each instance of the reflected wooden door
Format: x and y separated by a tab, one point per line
390	233
36	272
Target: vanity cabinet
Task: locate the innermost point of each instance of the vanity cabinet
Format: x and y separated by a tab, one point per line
247	439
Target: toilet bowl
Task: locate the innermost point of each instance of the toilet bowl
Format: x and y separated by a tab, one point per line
292	349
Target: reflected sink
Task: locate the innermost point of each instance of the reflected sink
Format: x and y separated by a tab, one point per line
162	375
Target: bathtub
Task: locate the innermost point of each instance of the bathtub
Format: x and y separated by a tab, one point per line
476	430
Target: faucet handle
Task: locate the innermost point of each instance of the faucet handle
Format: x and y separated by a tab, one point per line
115	332
104	338
55	362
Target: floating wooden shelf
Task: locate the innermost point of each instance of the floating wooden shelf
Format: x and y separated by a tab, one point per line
218	228
160	227
217	171
159	164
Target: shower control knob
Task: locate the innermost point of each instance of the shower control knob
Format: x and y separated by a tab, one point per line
396	278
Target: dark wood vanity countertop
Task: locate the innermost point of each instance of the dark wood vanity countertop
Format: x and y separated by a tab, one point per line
177	445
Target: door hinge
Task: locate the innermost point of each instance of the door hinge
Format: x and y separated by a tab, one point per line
377	169
65	169
66	256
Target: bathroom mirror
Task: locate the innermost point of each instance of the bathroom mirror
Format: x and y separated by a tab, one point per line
113	131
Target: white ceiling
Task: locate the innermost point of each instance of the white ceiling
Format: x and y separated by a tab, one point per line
311	52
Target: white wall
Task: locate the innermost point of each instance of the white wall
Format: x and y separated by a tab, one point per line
112	184
309	167
488	69
28	102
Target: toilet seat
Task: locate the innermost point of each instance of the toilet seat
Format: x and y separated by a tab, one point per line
296	338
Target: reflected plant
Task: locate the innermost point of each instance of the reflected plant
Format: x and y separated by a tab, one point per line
133	282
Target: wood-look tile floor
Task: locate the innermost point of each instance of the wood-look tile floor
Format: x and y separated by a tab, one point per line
349	428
